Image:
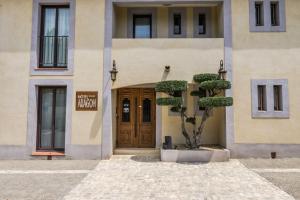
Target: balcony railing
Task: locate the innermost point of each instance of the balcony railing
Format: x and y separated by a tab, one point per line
53	51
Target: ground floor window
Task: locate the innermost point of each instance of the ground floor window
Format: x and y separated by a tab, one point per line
51	118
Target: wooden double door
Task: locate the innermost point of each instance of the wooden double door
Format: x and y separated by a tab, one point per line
136	118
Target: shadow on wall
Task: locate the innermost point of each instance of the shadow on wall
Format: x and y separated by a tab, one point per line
96	125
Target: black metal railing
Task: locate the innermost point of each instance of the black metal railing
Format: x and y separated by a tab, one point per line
53	51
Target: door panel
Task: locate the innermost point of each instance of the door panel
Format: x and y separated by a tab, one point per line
126	116
147	118
51	118
136	118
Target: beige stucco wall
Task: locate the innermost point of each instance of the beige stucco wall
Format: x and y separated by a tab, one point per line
141	61
15	44
15	31
89	43
265	56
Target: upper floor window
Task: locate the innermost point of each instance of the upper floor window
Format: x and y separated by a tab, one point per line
267	15
54	36
277	90
177	24
274	13
259	16
261	98
142	26
201	24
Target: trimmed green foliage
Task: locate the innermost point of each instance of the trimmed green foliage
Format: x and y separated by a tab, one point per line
169	101
175	109
171	86
195	93
215	101
216	84
199	78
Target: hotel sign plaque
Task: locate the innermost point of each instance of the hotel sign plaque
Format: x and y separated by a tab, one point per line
86	101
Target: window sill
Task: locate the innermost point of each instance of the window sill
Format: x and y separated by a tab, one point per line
47	153
50	69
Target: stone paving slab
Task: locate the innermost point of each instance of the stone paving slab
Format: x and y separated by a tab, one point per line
146	178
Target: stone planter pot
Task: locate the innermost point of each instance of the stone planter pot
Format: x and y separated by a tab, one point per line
204	154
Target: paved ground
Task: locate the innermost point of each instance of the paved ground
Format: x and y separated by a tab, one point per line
284	173
137	178
146	178
41	179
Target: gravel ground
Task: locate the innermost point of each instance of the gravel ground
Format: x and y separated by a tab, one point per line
289	182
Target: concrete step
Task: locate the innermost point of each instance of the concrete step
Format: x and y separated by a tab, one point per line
137	151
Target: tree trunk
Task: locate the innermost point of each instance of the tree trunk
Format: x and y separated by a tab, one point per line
197	136
184	132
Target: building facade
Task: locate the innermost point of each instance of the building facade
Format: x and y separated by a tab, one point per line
58	57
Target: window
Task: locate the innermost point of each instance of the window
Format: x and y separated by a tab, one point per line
142	26
274	14
126	110
177	24
277	89
146	110
54	36
51	118
261	89
259	16
267	15
270	98
201	24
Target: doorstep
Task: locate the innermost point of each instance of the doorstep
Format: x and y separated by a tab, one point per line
47	153
137	151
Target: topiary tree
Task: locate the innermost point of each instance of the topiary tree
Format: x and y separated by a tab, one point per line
214	87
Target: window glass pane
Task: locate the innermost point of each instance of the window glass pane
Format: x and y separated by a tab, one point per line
177	24
262	103
49	21
63	22
126	110
259	13
60	118
142	26
62	39
201	24
146	110
277	89
49	36
46	118
274	14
